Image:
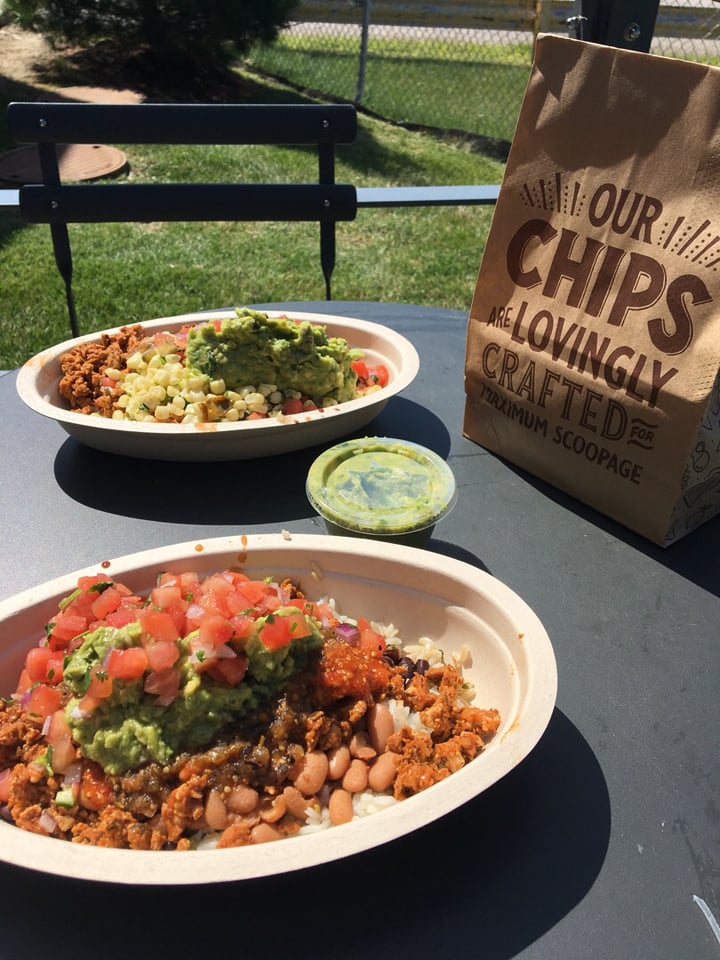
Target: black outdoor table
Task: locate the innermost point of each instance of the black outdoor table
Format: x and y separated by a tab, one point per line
603	843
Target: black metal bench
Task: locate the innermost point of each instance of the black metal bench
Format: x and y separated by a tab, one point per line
58	204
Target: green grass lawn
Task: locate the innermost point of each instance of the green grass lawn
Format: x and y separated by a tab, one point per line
464	86
132	272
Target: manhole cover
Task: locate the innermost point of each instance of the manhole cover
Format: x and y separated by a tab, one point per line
80	161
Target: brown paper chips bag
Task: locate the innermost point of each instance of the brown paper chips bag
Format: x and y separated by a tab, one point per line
593	343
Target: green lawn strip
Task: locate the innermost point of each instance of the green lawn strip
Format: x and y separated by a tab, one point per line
127	273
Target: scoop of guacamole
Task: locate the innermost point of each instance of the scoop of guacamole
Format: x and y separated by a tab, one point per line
130	727
252	348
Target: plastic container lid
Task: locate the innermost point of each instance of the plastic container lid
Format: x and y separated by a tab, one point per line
381	486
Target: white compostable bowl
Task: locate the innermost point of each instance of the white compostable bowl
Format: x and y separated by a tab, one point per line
39	377
512	666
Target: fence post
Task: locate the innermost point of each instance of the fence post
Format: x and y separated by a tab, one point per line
363	52
628	24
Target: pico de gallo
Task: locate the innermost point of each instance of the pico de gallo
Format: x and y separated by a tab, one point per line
146	720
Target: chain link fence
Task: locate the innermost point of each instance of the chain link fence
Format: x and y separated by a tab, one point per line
448	65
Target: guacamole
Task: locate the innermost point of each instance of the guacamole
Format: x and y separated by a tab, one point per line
380	487
132	727
252	348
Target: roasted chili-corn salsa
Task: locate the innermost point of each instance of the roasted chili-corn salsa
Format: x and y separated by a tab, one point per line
224	711
246	366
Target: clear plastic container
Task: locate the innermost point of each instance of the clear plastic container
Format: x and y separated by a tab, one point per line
381	487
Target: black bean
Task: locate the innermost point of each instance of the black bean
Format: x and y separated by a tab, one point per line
421	666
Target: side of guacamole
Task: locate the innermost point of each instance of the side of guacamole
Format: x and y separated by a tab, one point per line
252	348
132	727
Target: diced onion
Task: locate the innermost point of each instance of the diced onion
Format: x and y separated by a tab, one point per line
348	633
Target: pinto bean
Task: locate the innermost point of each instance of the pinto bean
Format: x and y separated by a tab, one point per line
380	726
264	833
272	808
361	747
241	799
295	802
216	815
340	807
338	762
313	771
382	772
356	778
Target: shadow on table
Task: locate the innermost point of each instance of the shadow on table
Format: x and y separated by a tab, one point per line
268	490
694	557
489	879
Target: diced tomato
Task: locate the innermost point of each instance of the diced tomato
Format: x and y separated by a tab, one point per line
218	584
360	368
159	625
163	684
95	790
189	583
372	641
86	583
166	596
379	375
66	627
36	663
202	655
87	704
122	616
58	727
106	602
215	630
271	603
123	590
237	603
213	604
322	612
297	625
24	683
253	590
100	685
292	405
128	664
230	671
242	626
279	631
59	736
236	576
43	700
162	655
64	753
256	416
54	673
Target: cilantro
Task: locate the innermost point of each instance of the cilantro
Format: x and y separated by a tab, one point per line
69	599
101	587
45	760
269	618
82	687
200	655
